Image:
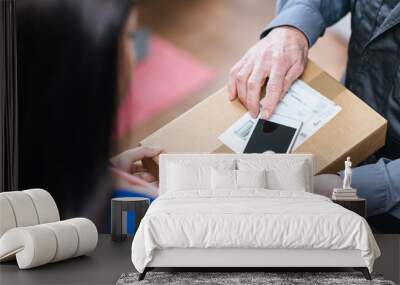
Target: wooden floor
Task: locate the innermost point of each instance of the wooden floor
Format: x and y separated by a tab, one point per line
217	32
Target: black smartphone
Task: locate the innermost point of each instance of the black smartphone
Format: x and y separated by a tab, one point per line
277	135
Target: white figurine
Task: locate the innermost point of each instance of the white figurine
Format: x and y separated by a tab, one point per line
347	174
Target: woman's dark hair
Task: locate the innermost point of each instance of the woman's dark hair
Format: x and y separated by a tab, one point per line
67	88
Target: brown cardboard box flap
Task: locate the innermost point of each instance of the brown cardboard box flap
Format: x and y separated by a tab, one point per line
357	130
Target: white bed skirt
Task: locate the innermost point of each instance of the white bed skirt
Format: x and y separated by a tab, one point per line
235	257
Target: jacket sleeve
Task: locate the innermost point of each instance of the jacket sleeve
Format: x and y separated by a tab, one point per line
311	17
379	184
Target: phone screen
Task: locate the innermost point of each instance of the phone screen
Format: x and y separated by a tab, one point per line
270	136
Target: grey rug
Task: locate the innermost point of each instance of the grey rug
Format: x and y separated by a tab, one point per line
225	278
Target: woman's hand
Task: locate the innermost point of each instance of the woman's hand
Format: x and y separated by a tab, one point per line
130	162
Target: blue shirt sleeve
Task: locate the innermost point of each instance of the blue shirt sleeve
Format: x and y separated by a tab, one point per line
379	184
311	17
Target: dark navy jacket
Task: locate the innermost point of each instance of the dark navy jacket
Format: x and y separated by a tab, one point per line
373	74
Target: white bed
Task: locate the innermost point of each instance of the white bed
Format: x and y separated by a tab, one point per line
197	224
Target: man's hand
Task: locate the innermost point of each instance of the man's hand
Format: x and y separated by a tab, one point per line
281	57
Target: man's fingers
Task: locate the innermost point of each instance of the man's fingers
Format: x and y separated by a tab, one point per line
232	82
232	86
232	78
241	81
294	72
254	84
275	84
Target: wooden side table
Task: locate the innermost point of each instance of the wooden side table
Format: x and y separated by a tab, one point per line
119	211
357	206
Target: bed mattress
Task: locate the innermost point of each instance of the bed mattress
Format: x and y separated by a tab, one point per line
251	219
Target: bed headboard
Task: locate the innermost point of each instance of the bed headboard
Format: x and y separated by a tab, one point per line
167	158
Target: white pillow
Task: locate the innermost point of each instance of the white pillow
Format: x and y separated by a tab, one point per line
223	179
293	180
282	174
236	179
251	178
181	178
193	175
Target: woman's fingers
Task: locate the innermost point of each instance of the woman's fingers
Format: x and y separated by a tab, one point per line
145	176
150	190
125	160
138	167
141	152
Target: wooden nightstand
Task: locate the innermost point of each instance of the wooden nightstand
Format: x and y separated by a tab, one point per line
357	206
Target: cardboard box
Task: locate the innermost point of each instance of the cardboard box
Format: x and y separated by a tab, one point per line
356	131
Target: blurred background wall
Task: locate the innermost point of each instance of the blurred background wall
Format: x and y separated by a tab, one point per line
196	43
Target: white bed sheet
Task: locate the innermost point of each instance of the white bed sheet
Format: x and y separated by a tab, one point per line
250	218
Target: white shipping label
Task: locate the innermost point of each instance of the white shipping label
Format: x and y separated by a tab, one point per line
301	103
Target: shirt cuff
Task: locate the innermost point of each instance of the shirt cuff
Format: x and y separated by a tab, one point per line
302	17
